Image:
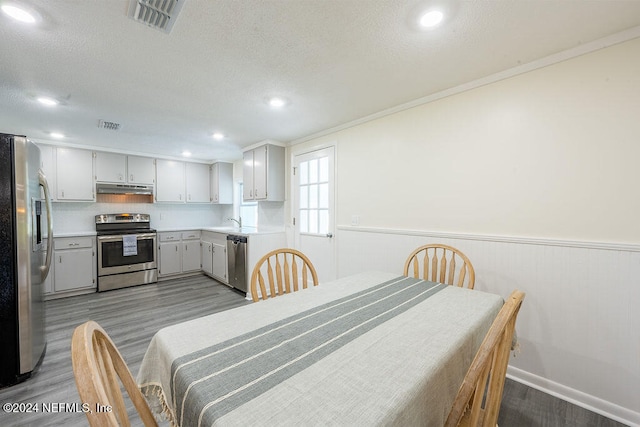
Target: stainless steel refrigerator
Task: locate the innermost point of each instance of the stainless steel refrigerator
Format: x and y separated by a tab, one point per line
25	226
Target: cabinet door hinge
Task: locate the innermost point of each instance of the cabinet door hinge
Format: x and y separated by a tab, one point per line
294	171
294	220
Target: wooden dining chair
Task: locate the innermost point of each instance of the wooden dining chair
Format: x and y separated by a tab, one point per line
478	401
282	273
438	263
99	370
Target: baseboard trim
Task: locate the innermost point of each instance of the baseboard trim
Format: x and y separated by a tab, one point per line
611	246
591	403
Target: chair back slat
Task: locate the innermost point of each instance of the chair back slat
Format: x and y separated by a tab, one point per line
452	270
434	267
443	268
294	274
286	276
101	373
440	264
305	276
478	400
270	277
461	276
281	289
261	282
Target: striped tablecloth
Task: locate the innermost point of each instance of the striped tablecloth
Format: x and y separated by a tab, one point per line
370	349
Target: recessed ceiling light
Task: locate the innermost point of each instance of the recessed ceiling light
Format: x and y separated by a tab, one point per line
218	136
18	14
47	101
56	135
277	102
186	153
431	19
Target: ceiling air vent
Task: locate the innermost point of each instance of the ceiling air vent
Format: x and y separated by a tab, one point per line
158	14
108	125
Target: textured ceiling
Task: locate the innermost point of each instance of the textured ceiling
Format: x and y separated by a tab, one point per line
336	61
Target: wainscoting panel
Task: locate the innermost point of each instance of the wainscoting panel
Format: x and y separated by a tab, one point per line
579	327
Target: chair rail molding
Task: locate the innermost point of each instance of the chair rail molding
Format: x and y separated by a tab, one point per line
584	244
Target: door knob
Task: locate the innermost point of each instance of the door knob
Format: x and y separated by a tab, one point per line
329	235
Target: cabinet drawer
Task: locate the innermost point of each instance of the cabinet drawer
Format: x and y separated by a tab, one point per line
72	242
169	237
191	235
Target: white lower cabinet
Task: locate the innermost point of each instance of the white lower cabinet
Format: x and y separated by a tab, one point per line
219	264
214	255
178	252
169	254
207	257
75	264
191	258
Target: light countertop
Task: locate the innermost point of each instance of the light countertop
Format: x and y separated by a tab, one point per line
244	231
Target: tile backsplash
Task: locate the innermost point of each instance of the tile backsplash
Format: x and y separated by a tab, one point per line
80	217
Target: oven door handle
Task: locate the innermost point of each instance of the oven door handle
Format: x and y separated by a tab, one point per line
118	238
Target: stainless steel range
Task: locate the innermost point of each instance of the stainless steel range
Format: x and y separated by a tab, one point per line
127	251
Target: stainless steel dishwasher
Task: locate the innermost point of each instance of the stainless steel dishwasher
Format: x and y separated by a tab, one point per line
237	261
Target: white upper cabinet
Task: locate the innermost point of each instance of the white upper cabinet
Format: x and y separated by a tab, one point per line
198	183
260	173
247	175
170	181
141	170
74	174
222	183
112	167
263	173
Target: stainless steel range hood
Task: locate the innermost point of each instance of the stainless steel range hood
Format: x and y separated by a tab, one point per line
103	188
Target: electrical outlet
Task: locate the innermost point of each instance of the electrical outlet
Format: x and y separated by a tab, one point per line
355	219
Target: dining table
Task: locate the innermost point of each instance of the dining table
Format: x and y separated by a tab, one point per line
370	349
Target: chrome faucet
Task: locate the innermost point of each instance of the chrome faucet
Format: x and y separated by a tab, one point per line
239	221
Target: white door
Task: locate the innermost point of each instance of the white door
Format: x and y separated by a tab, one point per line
314	215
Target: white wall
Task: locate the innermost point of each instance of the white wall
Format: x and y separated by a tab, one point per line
536	176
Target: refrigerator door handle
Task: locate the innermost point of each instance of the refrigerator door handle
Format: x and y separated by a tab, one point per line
47	200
